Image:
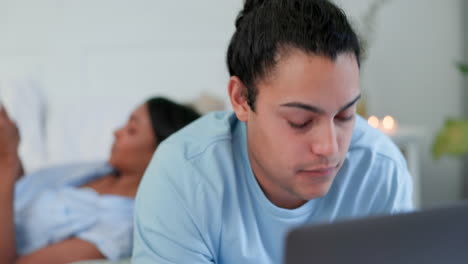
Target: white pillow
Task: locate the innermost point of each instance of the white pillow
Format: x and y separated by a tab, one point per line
206	102
83	129
77	129
25	102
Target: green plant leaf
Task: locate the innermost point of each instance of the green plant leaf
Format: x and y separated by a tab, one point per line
452	139
463	68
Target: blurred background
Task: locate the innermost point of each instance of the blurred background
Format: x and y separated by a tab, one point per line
71	71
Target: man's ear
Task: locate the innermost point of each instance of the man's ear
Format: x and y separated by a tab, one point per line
237	94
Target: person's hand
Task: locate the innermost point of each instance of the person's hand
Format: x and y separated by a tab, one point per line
9	140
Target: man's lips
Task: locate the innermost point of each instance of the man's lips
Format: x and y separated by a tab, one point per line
319	172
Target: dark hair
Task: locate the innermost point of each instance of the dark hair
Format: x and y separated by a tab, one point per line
167	116
266	27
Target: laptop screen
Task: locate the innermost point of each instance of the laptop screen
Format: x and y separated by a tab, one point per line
432	236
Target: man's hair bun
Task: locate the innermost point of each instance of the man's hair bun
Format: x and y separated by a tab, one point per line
249	7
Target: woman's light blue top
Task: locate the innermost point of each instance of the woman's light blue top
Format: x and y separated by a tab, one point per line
51	207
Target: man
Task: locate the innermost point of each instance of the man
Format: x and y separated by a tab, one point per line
228	188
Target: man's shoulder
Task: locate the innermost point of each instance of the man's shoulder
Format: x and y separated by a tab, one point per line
201	152
210	131
197	160
375	174
371	142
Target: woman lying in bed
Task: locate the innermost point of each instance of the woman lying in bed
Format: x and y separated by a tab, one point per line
80	211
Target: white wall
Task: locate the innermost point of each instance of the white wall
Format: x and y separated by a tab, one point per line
464	11
88	49
411	75
105	56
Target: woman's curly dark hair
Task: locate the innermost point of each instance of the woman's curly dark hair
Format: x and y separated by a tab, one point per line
167	116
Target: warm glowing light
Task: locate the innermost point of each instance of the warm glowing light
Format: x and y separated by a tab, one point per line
388	123
373	121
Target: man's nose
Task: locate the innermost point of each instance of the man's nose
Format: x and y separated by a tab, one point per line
324	140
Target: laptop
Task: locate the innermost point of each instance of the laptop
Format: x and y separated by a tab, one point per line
435	236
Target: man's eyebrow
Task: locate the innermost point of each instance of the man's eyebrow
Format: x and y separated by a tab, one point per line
303	106
348	105
317	110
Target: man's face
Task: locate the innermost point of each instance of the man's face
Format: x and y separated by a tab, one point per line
302	126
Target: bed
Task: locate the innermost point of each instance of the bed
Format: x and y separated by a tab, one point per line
73	130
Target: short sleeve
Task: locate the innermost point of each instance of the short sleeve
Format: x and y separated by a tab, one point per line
393	190
403	189
379	185
174	221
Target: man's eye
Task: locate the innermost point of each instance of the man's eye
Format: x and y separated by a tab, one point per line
298	125
345	118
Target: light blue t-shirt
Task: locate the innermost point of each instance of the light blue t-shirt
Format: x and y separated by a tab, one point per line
199	201
50	207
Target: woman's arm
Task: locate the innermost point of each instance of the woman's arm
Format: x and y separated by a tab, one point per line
9	142
67	251
10	170
7	226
